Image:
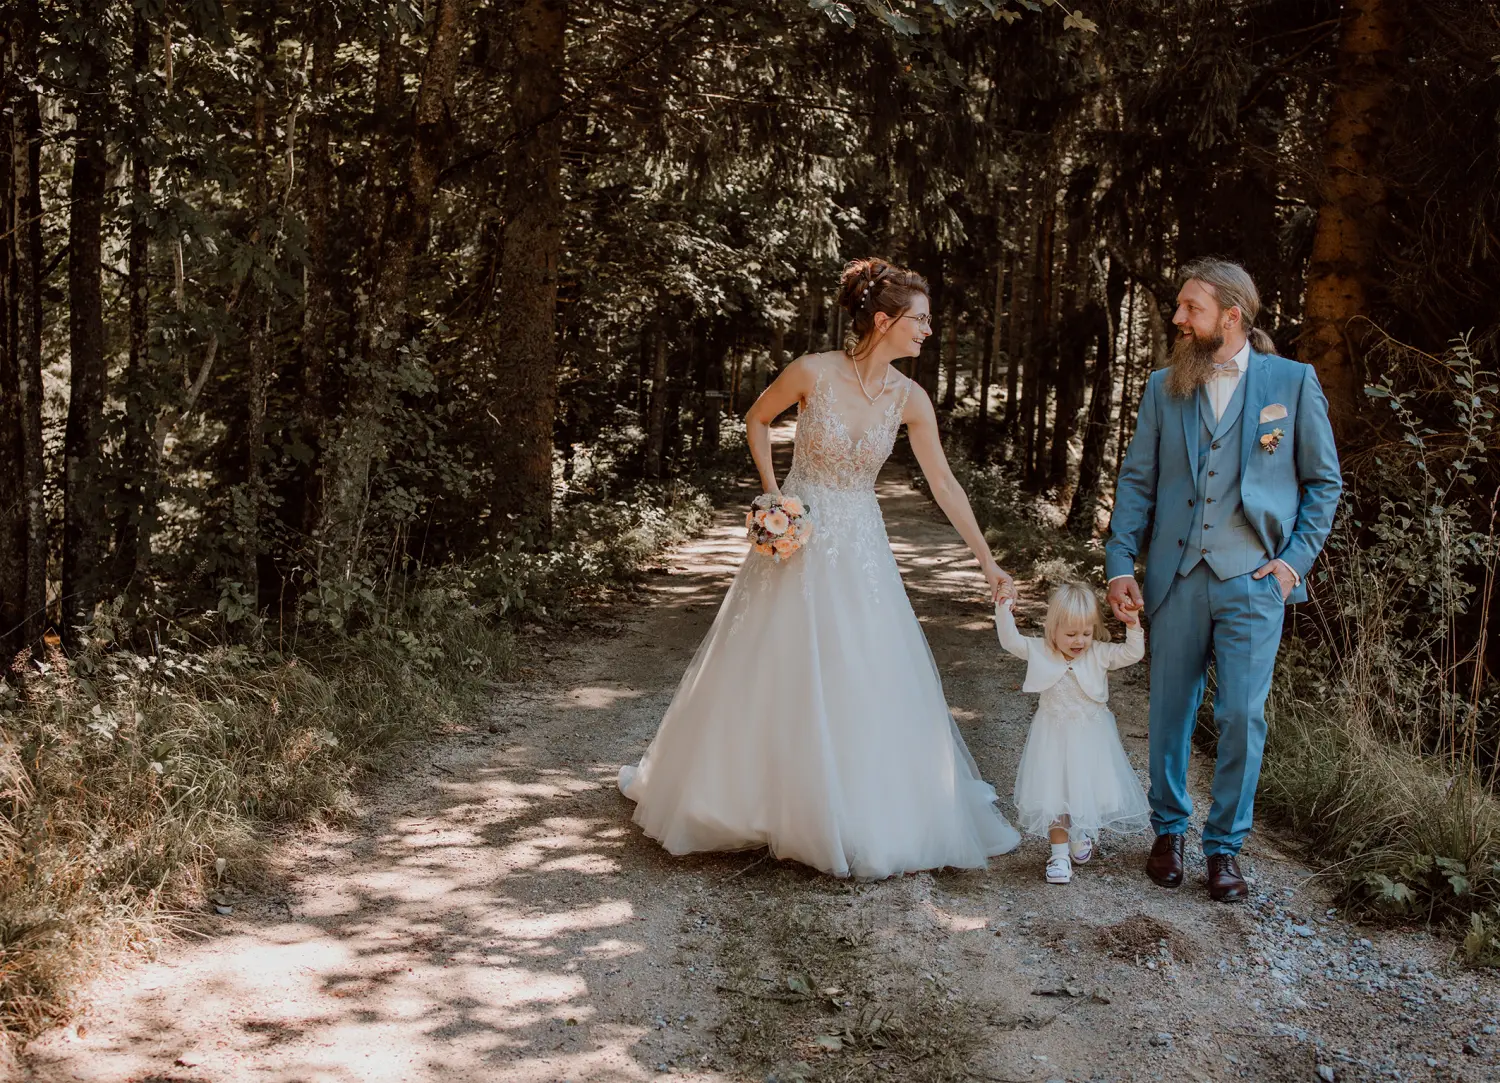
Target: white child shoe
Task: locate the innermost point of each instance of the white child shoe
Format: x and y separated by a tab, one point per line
1059	869
1081	850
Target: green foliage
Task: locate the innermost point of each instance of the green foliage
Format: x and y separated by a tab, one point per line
1384	726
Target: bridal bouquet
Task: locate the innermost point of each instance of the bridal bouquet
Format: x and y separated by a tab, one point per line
778	525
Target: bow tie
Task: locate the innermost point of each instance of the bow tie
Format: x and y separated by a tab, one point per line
1225	368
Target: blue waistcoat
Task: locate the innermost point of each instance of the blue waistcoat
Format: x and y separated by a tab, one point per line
1220	535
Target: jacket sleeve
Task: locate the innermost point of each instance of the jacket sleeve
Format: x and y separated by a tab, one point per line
1010	637
1135	490
1318	474
1120	655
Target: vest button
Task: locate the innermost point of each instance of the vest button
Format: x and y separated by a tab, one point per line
1210	500
1179	543
1190	503
1213	447
1208	526
1205	552
1211	473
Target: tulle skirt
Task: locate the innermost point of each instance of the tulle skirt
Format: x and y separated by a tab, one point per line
812	720
1074	766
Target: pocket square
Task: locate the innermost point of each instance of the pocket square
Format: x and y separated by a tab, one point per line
1274	412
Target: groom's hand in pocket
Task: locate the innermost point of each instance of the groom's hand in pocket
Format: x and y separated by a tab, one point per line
1285	578
1125	597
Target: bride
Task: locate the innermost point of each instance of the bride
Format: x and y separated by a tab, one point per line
812	719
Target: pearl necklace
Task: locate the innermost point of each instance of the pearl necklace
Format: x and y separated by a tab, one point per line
860	379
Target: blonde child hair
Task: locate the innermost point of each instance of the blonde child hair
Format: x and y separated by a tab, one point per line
1070	601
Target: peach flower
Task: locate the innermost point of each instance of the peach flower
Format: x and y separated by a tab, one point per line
792	506
760	517
784	546
776	522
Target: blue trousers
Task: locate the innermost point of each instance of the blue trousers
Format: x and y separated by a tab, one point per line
1238	621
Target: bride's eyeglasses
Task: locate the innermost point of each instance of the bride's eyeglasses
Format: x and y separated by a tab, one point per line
923	321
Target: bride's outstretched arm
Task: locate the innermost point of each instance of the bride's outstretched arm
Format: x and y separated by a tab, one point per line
792	386
927	445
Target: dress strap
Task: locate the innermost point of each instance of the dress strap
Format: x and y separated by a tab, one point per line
906	382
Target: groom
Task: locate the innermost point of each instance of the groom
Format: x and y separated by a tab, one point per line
1233	477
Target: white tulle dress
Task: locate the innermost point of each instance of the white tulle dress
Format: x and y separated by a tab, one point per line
812	719
1073	764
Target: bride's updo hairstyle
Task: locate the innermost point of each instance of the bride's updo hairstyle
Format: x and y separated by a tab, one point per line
872	285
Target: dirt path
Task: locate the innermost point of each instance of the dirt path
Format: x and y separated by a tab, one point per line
494	915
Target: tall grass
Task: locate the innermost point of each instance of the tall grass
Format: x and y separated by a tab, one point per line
1385	724
129	783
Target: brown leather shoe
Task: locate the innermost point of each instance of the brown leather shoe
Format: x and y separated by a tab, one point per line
1225	884
1164	866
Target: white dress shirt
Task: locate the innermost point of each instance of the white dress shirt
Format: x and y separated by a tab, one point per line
1221	384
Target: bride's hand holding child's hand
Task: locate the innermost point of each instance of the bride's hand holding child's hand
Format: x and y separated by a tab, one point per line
1001	585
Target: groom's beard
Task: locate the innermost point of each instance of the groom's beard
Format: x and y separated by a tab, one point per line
1192	362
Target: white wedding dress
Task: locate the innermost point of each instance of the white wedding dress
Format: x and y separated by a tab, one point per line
812	719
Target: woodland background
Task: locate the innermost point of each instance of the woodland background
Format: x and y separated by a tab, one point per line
341	339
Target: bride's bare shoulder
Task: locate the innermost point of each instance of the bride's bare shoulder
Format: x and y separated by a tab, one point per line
915	395
819	362
806	369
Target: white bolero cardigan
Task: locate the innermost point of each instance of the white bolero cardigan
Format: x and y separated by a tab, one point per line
1045	666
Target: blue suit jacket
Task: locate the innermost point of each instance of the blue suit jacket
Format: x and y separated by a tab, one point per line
1289	495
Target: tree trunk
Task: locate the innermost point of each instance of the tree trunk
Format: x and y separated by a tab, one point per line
1043	345
950	357
1127	408
23	520
85	517
317	287
1345	266
360	443
1085	506
987	368
259	305
524	380
713	405
134	478
1014	349
380	188
656	423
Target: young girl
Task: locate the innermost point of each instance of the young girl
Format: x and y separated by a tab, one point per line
1074	780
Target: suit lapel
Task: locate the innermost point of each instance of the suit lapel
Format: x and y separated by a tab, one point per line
1256	388
1188	407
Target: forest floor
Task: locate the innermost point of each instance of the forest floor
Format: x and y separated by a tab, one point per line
491	913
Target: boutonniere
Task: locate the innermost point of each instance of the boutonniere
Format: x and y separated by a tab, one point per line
1271	440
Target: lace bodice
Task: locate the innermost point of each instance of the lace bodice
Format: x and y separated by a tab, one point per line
1067	700
828	456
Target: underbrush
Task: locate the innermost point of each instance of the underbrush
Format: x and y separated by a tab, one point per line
133	782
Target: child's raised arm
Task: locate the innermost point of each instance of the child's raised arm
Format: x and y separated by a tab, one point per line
1010	636
1120	655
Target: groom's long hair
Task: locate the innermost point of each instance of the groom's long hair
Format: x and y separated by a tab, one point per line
1192	360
